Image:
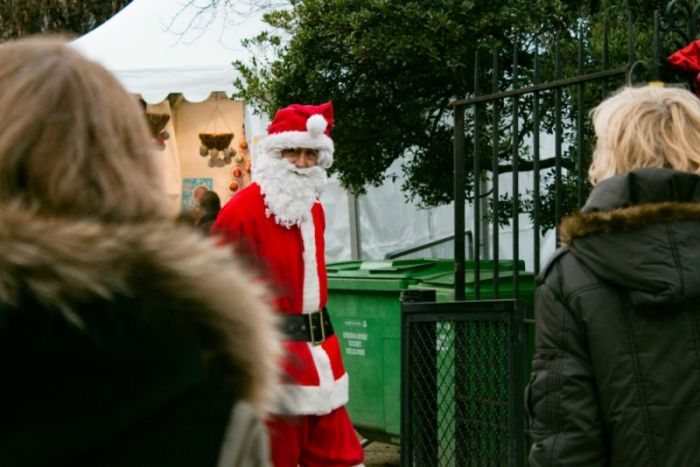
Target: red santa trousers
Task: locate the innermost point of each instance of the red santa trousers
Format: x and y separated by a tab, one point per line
312	440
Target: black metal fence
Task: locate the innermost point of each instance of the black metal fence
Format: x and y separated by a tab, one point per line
543	90
462	402
464	363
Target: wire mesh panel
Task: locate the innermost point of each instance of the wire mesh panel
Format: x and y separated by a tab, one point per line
462	384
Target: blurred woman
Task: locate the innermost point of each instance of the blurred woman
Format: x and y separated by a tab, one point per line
210	205
109	353
615	377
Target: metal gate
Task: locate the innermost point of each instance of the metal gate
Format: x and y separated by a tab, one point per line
462	373
464	363
500	131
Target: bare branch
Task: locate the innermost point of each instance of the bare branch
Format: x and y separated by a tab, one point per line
529	166
523	165
205	14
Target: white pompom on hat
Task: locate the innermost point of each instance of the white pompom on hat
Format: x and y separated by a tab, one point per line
302	126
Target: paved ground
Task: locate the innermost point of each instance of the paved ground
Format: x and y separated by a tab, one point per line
382	455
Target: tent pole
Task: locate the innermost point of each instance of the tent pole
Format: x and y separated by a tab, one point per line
355	239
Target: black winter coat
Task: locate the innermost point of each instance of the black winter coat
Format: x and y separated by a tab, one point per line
114	350
616	371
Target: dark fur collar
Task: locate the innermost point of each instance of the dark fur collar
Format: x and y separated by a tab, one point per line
627	219
62	261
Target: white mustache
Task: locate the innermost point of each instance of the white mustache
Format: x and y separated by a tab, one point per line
302	172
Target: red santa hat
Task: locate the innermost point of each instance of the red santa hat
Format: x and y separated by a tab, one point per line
302	126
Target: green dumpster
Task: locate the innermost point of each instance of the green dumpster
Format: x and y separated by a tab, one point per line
443	284
364	302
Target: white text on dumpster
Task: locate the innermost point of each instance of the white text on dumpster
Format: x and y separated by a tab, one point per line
355	342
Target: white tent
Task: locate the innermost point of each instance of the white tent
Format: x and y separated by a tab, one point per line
158	47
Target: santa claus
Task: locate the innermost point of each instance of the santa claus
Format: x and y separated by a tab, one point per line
279	222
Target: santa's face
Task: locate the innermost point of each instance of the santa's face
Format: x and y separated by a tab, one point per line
302	158
290	189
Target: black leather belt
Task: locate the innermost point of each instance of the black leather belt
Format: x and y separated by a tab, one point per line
313	327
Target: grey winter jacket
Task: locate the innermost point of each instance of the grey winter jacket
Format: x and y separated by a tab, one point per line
616	371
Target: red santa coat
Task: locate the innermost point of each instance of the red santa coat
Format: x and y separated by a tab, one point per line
293	260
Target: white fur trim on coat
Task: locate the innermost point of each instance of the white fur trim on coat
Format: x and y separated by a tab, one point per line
312	292
276	142
315	400
330	393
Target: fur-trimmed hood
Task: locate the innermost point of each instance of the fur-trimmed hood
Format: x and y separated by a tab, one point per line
63	264
641	231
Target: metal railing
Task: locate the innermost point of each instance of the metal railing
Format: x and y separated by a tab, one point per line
546	85
464	363
441	248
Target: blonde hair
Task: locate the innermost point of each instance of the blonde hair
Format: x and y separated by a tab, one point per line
73	142
647	126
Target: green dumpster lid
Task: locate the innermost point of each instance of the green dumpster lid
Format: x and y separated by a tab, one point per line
352	265
384	275
388	269
448	279
411	267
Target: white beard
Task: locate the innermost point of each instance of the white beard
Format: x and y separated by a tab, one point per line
289	192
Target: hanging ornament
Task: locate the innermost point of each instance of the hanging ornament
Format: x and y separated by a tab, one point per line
216	144
156	123
228	153
241	161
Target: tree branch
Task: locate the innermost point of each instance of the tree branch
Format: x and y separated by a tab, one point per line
205	14
529	166
523	165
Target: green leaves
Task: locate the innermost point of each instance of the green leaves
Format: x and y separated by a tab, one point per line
24	17
389	67
392	67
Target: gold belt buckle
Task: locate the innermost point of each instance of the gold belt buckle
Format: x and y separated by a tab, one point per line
311	328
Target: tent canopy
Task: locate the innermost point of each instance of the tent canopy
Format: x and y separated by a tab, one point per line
158	47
